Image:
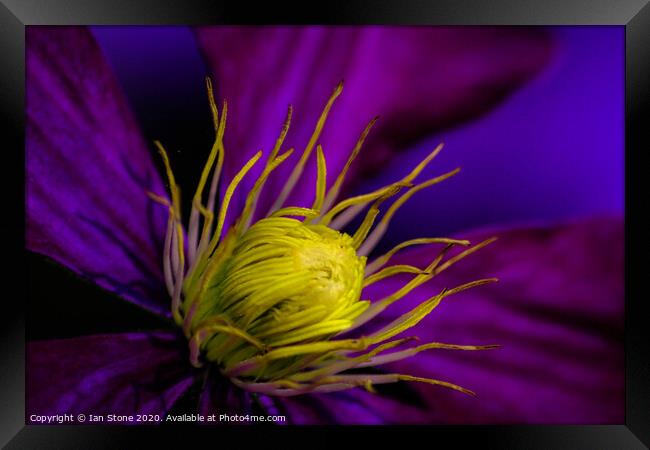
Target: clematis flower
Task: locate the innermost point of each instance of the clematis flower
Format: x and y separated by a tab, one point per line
92	190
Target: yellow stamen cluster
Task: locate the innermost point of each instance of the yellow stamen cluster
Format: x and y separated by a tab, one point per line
268	301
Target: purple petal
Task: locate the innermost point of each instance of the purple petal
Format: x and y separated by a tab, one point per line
135	373
417	79
351	407
557	311
88	170
220	396
354	407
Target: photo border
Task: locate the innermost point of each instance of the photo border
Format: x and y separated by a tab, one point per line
634	15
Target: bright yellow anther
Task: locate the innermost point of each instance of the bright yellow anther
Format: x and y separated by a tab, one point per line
283	134
321	180
307	213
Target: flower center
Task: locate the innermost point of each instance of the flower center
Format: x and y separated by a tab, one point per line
284	282
266	301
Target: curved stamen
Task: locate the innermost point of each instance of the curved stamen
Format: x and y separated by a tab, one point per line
226	199
379	262
379	231
216	147
414	316
321	180
251	198
296	211
287	388
297	171
391	271
333	193
432	270
294	350
365	226
403	354
206	332
177	246
333	367
351	212
346	216
272	162
364	199
167	264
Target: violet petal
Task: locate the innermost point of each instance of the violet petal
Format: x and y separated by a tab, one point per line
88	170
353	407
417	79
557	312
127	374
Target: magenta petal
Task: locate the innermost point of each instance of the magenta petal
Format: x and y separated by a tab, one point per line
88	170
135	373
417	79
557	312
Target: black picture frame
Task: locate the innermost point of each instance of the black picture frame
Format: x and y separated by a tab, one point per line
634	15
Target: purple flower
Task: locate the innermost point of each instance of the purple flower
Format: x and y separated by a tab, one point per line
556	312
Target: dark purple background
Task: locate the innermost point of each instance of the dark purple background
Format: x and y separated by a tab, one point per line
552	151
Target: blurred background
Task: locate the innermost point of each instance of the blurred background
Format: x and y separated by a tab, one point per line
548	148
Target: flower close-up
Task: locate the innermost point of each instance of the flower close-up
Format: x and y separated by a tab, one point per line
276	221
264	301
